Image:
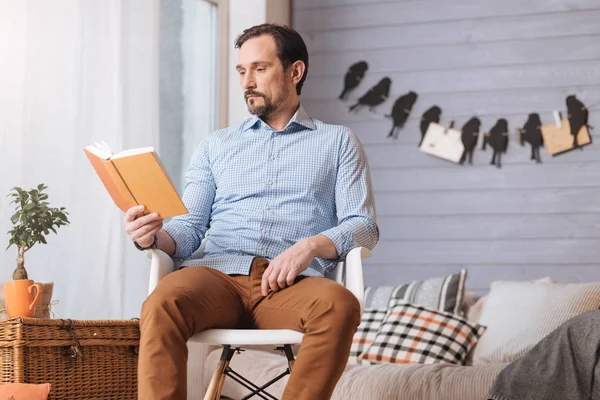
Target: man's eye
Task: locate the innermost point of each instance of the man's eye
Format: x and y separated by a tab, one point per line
241	72
260	69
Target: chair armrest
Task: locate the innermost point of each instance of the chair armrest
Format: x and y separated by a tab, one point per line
354	281
161	264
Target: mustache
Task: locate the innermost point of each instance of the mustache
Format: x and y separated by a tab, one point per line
249	93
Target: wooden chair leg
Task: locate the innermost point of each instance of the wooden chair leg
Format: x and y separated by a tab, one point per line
289	353
218	379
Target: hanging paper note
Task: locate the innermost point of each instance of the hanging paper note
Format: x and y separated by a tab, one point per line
558	140
443	143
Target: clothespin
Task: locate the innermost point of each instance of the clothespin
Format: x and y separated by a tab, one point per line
557	119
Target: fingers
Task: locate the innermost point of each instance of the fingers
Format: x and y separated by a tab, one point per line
147	230
273	280
281	279
269	280
131	227
276	278
148	238
291	277
133	213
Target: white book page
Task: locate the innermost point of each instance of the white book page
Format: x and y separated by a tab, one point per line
132	152
102	145
99	151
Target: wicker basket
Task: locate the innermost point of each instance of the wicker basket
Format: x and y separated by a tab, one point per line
81	359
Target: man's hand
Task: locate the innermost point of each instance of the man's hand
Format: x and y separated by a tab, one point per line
284	268
140	227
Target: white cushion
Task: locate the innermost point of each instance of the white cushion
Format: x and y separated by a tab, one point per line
239	337
473	312
519	314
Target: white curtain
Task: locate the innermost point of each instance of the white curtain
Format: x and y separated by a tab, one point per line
199	56
73	72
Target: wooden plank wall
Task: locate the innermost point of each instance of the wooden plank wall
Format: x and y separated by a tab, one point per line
491	59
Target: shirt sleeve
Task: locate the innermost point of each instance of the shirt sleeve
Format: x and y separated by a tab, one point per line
354	199
199	193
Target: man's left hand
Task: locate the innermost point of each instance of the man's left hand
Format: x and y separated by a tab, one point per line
284	268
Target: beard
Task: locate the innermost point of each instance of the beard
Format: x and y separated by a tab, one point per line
267	107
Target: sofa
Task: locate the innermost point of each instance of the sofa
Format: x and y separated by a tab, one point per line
516	315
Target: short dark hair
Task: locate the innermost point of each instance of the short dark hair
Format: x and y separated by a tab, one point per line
290	45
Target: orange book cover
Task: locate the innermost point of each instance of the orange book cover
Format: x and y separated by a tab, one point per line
134	177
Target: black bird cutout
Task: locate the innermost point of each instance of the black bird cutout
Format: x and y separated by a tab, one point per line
353	77
578	117
532	134
401	111
470	132
429	116
498	140
375	96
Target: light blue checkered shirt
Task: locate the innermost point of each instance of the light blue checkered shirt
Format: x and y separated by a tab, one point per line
252	191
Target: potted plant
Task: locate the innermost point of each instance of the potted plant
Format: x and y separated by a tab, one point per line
32	222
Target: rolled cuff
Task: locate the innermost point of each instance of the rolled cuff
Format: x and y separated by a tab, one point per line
183	245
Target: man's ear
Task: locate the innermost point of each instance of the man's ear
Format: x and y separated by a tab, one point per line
297	69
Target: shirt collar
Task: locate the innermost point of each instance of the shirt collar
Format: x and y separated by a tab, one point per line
301	118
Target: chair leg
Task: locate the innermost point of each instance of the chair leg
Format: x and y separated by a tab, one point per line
218	378
287	349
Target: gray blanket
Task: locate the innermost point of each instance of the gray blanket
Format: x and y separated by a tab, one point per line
565	365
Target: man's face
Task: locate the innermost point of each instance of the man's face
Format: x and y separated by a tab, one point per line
266	85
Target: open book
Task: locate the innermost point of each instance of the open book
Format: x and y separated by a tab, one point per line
136	176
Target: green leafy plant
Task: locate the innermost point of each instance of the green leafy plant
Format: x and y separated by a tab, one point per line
32	221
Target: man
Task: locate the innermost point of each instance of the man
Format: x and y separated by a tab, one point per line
279	199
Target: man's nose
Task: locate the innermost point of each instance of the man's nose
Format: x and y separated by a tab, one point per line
248	81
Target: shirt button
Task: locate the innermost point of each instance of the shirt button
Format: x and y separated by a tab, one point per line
270	183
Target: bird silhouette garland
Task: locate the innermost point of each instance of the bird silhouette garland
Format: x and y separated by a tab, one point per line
470	133
433	114
401	111
498	141
558	137
354	76
375	96
578	118
532	134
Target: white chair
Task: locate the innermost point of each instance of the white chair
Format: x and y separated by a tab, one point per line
349	273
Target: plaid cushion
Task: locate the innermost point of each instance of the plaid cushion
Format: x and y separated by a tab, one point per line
417	334
366	332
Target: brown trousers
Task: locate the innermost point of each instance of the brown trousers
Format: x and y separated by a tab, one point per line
192	299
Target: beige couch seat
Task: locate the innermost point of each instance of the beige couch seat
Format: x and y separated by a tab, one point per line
369	382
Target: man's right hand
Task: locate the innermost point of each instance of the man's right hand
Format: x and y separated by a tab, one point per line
140	227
